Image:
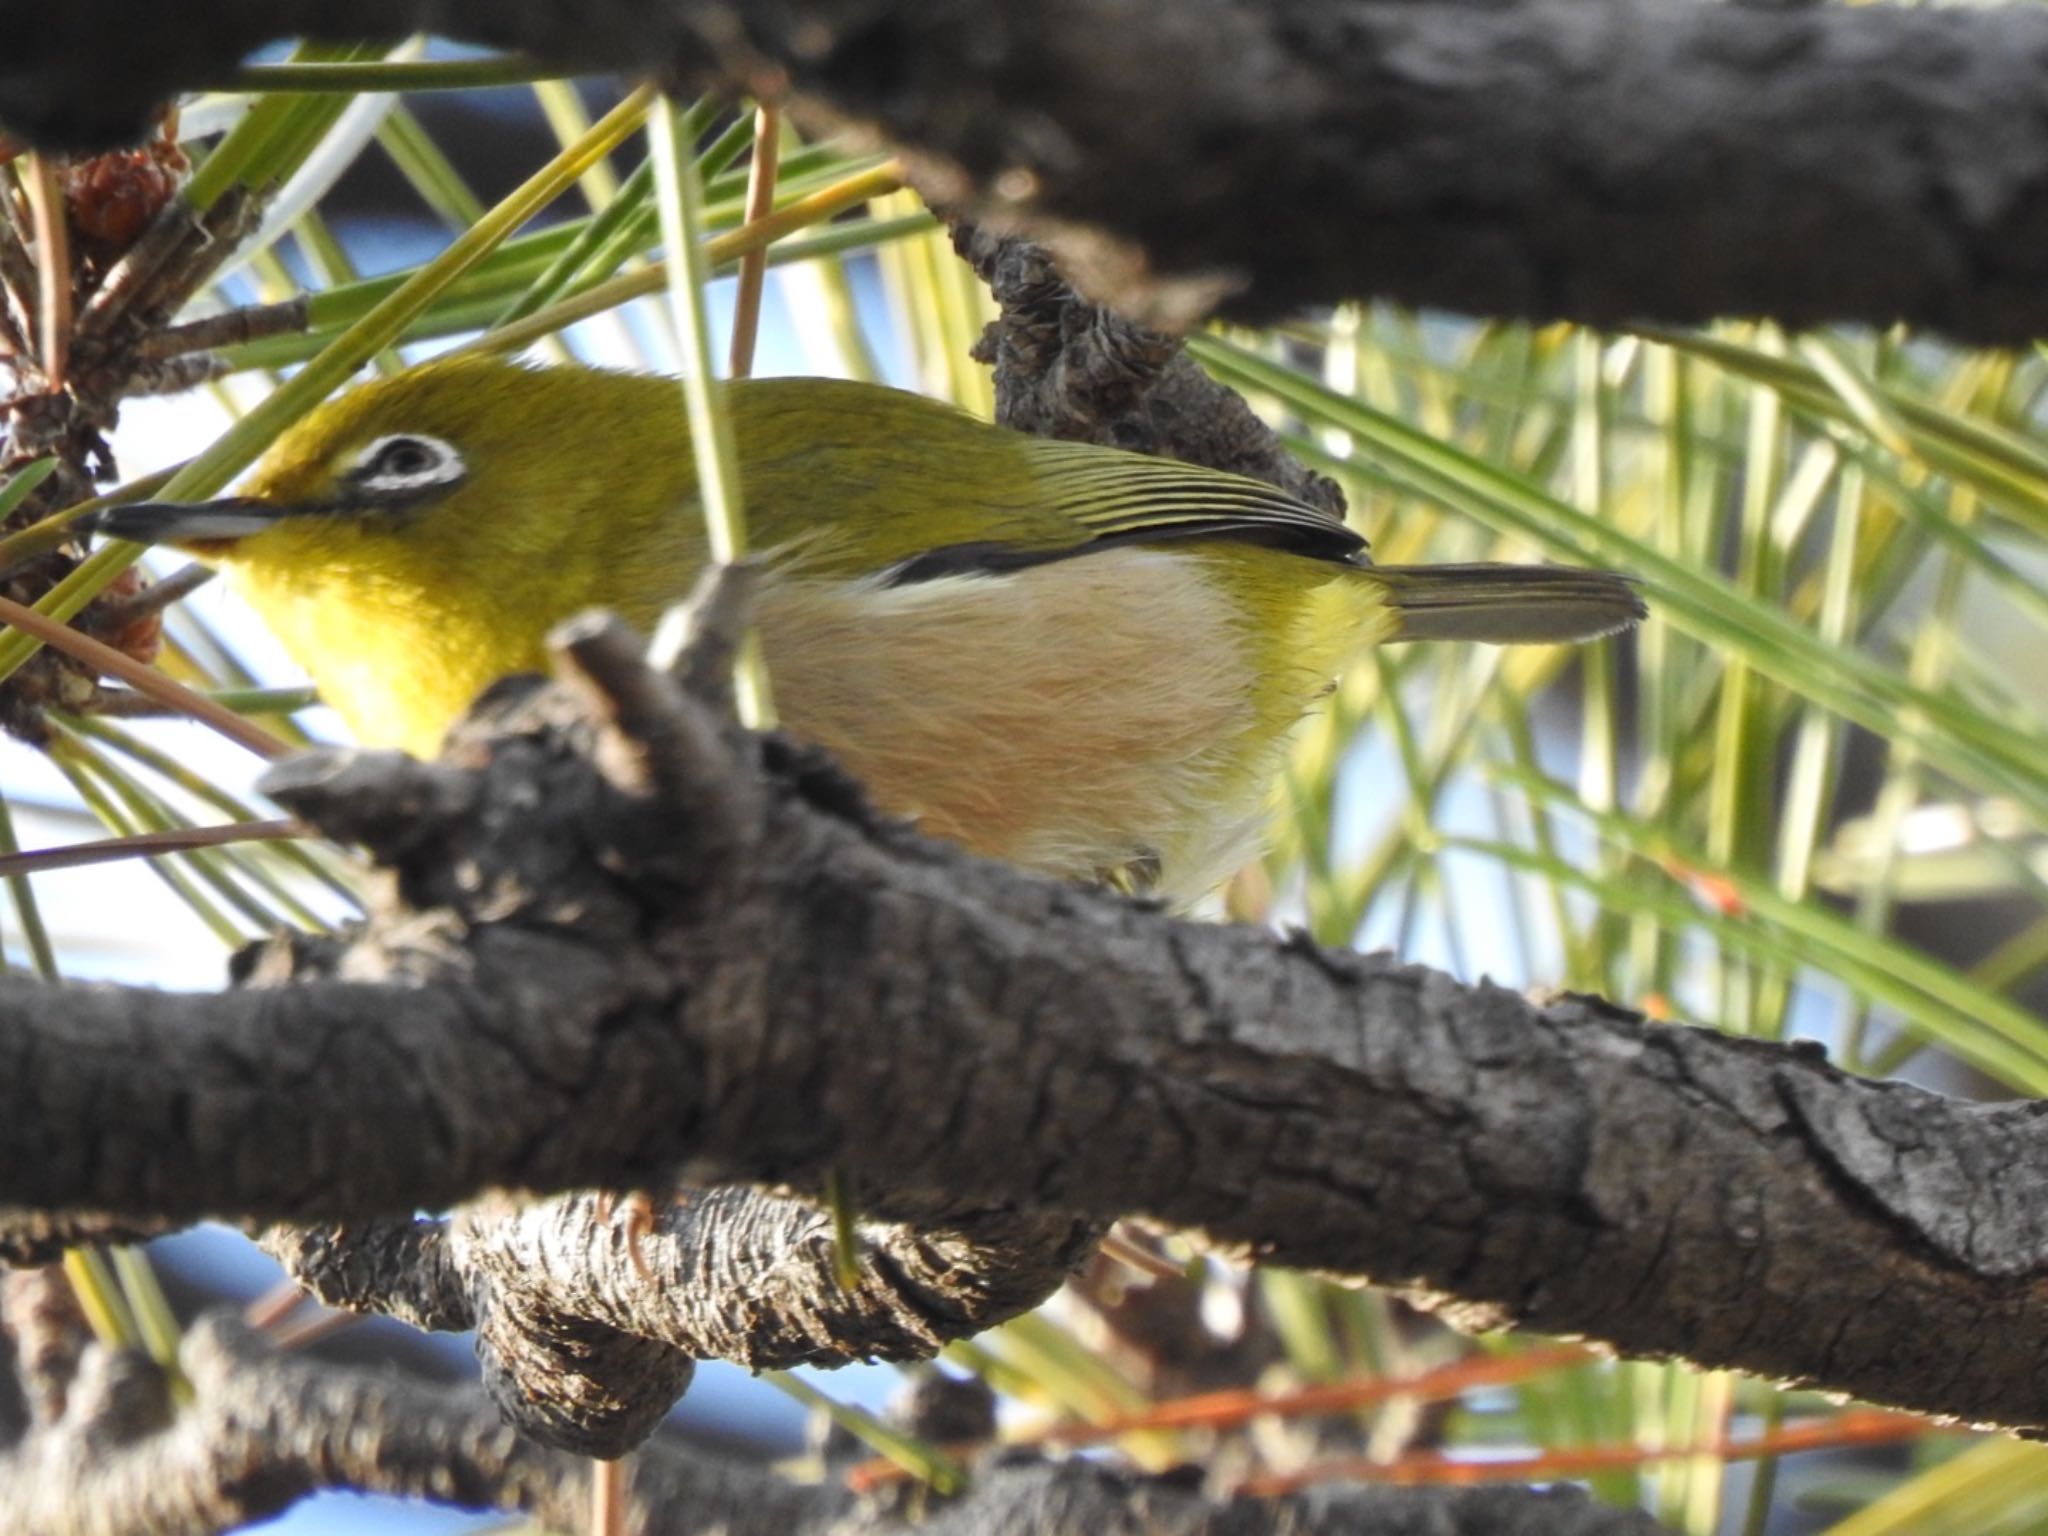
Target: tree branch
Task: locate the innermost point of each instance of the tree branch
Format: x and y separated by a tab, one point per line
1070	369
587	1331
622	940
628	986
1630	161
265	1429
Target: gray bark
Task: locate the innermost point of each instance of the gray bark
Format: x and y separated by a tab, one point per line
702	954
588	1333
1608	162
624	945
265	1428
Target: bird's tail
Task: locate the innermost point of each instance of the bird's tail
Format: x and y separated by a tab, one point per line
1506	604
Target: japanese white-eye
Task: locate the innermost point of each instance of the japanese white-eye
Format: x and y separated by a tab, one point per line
1075	658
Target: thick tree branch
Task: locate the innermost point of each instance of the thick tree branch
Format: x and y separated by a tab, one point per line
587	1330
629	985
265	1429
1631	160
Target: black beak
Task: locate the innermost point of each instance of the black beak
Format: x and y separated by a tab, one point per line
182	522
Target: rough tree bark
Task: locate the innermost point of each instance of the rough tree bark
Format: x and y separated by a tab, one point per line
1625	160
115	1459
694	956
106	1455
689	962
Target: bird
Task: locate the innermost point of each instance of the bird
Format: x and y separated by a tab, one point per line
1082	660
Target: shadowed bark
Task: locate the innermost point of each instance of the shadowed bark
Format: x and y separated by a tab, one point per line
624	945
264	1429
702	954
1631	160
588	1330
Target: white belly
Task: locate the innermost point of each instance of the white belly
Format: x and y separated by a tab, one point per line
1076	717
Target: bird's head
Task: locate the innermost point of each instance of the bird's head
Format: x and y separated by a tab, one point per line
450	469
412	540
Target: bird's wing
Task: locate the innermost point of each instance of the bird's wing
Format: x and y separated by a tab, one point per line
1105	498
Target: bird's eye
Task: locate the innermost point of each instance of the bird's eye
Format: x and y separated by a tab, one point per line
406	465
403	457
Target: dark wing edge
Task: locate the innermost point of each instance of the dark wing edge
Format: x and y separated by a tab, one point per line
1116	499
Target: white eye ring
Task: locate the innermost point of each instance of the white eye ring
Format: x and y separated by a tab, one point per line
403	463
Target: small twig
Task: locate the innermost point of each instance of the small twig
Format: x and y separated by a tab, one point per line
135	845
136	266
219	235
310	1328
1862	1426
608	1498
157	596
229	328
17	270
746	315
1211	1409
1132	1256
143	679
269	1310
53	269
